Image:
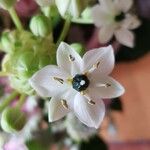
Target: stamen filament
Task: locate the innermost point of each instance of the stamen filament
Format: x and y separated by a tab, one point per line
71	58
90	101
59	80
64	103
94	67
103	85
69	80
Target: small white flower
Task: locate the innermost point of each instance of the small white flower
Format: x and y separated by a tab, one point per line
78	84
113	18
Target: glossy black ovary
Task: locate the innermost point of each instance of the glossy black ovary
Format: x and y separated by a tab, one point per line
120	17
80	82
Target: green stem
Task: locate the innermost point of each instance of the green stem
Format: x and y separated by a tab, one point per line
15	18
64	31
21	100
8	100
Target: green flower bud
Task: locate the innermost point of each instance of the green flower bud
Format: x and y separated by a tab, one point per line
40	25
12	40
21	85
13	120
7	4
71	7
7	41
25	59
78	47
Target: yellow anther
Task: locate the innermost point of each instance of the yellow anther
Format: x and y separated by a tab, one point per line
64	103
59	80
91	102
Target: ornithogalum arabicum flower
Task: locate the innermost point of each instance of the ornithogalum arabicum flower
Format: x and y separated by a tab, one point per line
113	18
78	84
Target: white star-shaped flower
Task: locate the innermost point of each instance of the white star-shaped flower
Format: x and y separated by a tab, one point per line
113	18
78	84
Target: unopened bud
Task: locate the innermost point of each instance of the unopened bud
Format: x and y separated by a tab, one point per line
13	120
40	25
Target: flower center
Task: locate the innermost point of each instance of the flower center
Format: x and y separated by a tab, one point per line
80	82
120	17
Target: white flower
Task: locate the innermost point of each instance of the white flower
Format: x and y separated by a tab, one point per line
72	7
78	84
113	18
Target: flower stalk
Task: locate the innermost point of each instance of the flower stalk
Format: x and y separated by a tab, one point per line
21	100
8	100
64	30
15	18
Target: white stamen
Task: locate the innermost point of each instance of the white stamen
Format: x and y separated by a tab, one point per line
94	67
103	85
71	58
64	103
59	80
91	102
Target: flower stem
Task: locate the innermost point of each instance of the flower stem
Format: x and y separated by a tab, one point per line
21	100
8	100
15	19
64	31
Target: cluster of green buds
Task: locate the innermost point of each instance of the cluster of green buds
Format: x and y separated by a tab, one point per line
25	54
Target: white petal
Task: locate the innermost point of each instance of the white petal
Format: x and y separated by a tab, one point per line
131	22
124	5
56	110
97	89
44	84
108	6
62	6
91	115
99	16
63	61
105	34
104	55
125	37
69	97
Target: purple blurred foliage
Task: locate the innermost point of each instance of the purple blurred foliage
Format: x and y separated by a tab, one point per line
143	8
26	8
